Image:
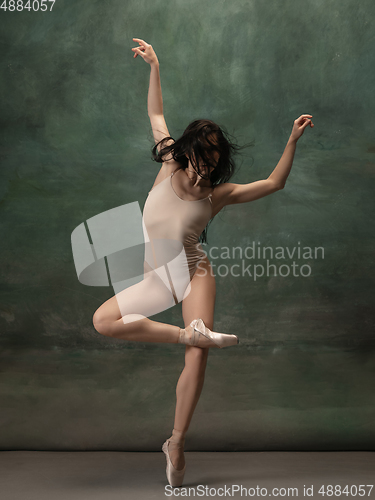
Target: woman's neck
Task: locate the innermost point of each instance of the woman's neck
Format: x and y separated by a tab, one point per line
195	179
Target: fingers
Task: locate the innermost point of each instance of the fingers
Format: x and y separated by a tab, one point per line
137	51
302	118
303	121
304	125
140	50
141	42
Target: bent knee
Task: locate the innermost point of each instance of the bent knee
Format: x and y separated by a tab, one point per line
101	323
98	317
102	327
113	329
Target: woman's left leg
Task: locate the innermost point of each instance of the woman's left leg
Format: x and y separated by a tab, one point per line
199	303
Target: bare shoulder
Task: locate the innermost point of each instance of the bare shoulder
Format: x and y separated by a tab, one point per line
220	196
170	166
166	170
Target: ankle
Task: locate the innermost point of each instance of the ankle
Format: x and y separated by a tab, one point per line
188	336
178	438
181	336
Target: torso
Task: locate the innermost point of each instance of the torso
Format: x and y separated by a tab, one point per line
183	190
167	216
181	186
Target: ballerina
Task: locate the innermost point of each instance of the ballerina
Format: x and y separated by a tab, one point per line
190	189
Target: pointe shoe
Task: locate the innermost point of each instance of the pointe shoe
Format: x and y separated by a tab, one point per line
175	477
191	334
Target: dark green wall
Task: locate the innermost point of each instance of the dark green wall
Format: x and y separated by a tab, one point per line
75	142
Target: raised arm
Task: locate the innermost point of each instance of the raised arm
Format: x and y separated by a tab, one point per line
242	193
154	100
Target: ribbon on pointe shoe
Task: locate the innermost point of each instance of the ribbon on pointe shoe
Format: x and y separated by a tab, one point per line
188	336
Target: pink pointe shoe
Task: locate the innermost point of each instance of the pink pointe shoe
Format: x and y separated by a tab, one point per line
190	335
175	477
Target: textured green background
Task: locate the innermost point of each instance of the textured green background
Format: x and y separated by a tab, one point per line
75	142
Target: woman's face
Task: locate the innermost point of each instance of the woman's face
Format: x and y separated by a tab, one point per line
204	169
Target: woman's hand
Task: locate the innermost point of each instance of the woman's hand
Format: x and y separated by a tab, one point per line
299	126
145	51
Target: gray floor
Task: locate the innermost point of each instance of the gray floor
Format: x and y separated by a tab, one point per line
29	475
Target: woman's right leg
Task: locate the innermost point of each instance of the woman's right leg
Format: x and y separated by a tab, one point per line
125	316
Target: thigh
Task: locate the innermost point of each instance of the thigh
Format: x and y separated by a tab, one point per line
146	298
200	301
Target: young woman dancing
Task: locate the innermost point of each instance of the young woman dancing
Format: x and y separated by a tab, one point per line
190	189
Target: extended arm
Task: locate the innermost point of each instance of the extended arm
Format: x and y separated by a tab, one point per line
242	193
282	169
154	99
